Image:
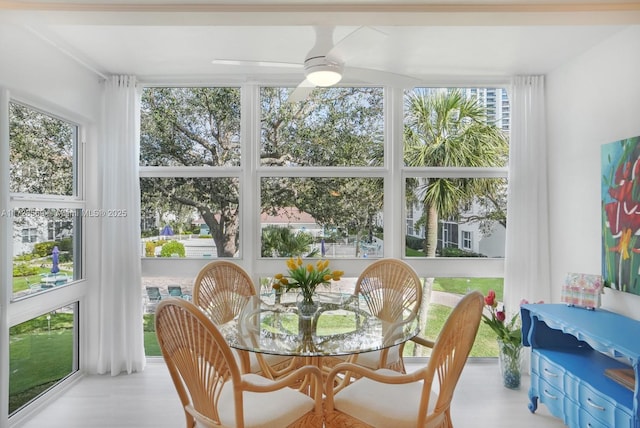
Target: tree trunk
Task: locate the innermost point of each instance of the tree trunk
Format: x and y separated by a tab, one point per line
431	232
427	286
230	234
224	233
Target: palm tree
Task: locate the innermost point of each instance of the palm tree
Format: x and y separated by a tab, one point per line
446	129
284	242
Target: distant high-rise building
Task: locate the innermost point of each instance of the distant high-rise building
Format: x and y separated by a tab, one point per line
496	102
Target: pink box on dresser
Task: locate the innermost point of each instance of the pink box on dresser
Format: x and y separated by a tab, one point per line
582	289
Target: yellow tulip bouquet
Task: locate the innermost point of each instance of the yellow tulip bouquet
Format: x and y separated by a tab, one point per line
306	277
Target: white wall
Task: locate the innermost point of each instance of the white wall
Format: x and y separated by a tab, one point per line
36	73
31	68
592	100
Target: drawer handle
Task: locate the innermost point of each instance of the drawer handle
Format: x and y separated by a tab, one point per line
550	373
594	405
548	394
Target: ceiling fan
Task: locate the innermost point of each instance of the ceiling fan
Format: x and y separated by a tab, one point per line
325	64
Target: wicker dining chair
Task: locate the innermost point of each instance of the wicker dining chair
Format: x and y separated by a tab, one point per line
392	291
385	398
212	390
221	290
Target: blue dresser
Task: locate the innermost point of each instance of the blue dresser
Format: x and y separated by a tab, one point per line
571	349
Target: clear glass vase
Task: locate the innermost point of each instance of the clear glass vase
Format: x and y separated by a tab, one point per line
307	305
510	359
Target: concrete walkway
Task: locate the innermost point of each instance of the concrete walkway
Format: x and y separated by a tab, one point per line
445	298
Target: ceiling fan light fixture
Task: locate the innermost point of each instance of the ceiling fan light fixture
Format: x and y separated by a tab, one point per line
322	73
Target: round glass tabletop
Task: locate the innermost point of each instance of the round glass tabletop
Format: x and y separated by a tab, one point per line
342	325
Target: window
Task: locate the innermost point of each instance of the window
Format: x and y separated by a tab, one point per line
332	217
244	173
42	352
184	222
336	214
29	235
445	292
410	223
466	240
42	153
338	127
45	199
57	229
190	151
455	156
46	215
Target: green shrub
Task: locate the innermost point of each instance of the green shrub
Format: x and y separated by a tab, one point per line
23	258
149	322
414	242
24	269
457	252
57	321
172	247
65	245
65	257
43	249
150	248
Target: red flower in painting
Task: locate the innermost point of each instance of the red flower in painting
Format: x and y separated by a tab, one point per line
623	215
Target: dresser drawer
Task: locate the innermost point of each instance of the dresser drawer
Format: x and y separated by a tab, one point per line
548	371
602	408
588	421
549	396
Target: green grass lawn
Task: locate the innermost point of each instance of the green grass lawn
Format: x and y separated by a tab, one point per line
151	347
37	360
485	344
464	285
22	283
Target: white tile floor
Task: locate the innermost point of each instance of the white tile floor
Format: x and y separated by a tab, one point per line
148	399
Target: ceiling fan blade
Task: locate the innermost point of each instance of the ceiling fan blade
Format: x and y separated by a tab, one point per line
242	62
301	92
381	77
356	43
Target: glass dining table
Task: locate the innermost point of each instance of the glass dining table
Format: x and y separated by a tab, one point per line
342	326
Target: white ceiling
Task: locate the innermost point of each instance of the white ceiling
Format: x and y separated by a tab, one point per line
163	41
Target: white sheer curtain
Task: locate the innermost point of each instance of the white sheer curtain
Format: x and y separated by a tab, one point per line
121	343
527	240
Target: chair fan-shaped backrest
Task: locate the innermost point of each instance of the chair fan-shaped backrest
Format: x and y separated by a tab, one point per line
222	289
391	289
197	356
451	349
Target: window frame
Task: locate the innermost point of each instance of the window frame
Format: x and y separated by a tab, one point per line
466	238
27	307
76	201
393	172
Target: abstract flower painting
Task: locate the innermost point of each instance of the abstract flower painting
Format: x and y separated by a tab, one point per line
621	215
